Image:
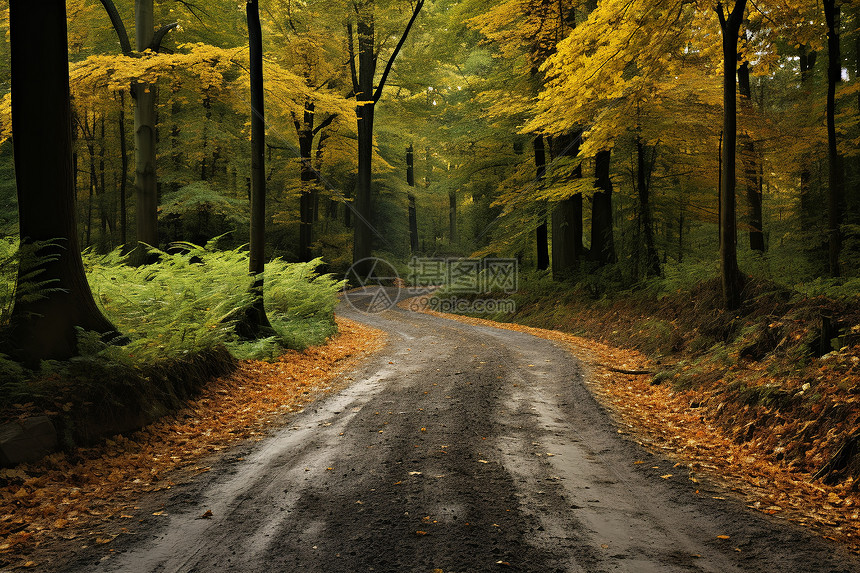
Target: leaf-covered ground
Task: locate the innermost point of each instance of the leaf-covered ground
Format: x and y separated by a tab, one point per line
73	496
691	427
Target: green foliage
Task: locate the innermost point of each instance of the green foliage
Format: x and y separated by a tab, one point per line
185	303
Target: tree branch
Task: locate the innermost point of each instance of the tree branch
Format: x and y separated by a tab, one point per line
719	10
402	41
160	34
324	124
351	48
116	20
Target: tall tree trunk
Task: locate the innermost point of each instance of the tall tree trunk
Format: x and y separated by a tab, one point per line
643	186
602	237
255	323
751	167
567	216
836	193
542	230
366	99
808	207
123	181
413	215
45	328
732	282
145	183
363	205
452	216
305	128
207	117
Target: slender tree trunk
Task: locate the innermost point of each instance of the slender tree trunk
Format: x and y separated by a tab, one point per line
643	186
751	168
602	237
836	193
542	229
452	216
204	153
808	207
413	216
255	323
306	200
145	184
123	181
731	279
45	328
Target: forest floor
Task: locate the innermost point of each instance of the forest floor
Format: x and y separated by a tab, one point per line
72	499
757	413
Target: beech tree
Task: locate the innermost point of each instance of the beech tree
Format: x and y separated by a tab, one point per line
367	92
730	275
255	324
45	327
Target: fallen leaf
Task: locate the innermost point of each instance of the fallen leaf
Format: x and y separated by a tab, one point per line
667	476
723	537
206	515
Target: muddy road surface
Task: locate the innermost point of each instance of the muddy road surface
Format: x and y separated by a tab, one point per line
456	449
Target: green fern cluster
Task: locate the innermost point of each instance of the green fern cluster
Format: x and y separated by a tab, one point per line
186	302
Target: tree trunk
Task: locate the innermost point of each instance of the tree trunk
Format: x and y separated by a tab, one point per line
363	204
542	230
123	182
643	186
45	328
567	216
366	98
255	324
145	184
308	176
836	193
808	207
413	216
602	238
452	216
751	168
732	282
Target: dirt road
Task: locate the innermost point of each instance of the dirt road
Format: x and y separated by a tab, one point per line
459	449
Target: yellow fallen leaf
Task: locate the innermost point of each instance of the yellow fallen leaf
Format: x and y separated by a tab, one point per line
419	532
723	537
483	462
667	476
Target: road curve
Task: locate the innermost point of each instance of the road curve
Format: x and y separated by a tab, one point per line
457	448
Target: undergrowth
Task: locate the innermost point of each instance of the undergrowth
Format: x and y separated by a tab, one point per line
176	320
768	374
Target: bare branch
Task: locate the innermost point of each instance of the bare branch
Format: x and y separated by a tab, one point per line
381	85
116	20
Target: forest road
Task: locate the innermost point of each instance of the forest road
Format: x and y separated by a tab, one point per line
458	449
